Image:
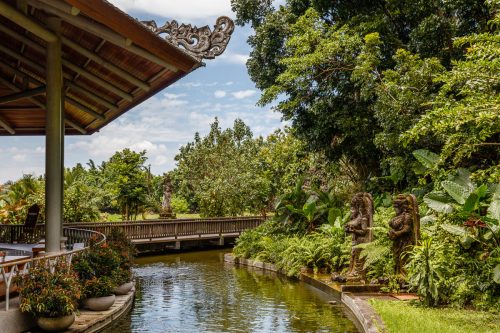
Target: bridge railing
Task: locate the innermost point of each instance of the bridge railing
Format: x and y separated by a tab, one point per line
151	229
144	229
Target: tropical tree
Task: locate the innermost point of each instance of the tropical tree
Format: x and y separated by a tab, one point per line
221	172
81	196
16	197
126	179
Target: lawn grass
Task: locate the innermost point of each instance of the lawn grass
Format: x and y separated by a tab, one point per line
403	317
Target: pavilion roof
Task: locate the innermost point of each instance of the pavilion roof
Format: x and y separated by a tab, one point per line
111	62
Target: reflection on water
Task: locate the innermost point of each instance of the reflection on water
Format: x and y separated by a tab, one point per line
198	292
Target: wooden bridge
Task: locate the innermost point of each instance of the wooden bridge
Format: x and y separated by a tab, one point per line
147	231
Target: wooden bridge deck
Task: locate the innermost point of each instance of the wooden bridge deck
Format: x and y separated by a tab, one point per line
147	231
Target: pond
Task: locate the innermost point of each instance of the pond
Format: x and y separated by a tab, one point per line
198	292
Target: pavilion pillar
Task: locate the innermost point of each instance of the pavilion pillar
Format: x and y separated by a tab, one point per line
54	143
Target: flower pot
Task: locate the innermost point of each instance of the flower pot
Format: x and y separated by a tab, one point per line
99	303
123	289
55	324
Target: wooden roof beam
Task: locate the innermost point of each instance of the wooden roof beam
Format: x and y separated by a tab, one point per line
27	23
6	126
84	91
109	66
102	32
75	125
74	68
67	99
41	105
22	95
67	76
97	80
89	54
79	104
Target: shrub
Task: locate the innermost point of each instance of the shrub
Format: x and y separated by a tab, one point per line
98	287
48	294
97	270
179	204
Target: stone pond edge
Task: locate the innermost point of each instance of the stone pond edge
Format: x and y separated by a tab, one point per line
367	318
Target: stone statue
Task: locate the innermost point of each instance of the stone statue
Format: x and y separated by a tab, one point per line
405	229
166	206
360	228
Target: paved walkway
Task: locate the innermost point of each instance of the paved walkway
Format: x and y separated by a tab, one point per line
13	321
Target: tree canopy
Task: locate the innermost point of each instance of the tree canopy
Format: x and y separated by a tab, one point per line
353	76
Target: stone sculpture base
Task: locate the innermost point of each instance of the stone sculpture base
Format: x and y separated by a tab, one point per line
167	215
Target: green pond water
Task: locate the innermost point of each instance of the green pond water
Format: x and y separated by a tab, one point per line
198	292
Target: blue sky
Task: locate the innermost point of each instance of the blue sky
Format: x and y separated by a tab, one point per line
168	120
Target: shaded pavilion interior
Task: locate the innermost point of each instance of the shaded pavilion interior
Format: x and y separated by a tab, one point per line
69	67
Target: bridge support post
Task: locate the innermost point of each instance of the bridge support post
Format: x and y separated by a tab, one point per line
221	241
177	245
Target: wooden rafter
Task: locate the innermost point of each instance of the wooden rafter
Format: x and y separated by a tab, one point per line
42	106
103	32
68	100
22	95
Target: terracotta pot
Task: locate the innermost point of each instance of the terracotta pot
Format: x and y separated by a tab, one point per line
124	288
99	303
55	324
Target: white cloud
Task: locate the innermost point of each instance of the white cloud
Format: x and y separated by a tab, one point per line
220	93
244	93
19	157
229	83
185	10
234	58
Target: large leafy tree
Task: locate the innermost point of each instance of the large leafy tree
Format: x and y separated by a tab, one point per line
305	54
465	115
81	195
125	177
221	173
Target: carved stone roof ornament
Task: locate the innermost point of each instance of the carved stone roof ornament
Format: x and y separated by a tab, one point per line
201	43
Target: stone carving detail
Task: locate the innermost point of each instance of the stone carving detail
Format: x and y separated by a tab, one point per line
405	229
198	42
360	227
166	204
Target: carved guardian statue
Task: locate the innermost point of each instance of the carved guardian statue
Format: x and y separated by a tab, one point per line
360	228
404	229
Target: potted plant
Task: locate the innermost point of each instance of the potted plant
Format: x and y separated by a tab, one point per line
123	281
50	297
98	293
96	269
118	241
